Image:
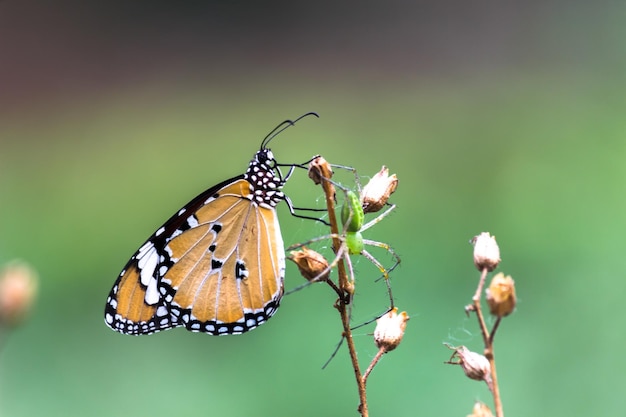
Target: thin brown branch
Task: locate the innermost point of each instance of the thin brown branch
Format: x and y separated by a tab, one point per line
493	331
369	369
488	341
497	400
347	289
329	193
478	310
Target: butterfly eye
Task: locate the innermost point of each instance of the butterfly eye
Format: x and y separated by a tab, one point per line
265	156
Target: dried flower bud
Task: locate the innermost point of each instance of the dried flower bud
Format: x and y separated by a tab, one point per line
377	191
390	329
18	287
481	410
319	168
312	265
486	252
475	365
501	295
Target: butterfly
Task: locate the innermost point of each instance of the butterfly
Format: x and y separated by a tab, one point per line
217	265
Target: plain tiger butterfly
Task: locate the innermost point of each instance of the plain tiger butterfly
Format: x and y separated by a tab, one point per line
217	265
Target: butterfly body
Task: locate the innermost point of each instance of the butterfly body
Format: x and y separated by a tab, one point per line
216	266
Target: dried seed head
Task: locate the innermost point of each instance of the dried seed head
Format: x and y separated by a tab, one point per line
486	252
475	365
481	410
501	295
312	265
319	168
18	288
377	191
390	329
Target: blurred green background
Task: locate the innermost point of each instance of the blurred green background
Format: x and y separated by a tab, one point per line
507	118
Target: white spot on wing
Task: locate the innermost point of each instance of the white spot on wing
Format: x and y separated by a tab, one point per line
192	222
147	260
152	294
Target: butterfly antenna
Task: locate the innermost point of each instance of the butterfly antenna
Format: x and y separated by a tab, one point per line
282	126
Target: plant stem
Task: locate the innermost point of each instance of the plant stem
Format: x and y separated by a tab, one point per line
345	296
497	401
477	309
488	341
493	331
369	369
329	192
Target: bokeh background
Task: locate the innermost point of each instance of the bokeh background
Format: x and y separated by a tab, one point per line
500	117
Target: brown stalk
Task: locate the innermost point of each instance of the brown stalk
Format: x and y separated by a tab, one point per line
345	294
379	354
488	341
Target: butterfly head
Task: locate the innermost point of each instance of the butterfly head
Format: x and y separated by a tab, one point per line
264	158
263	173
